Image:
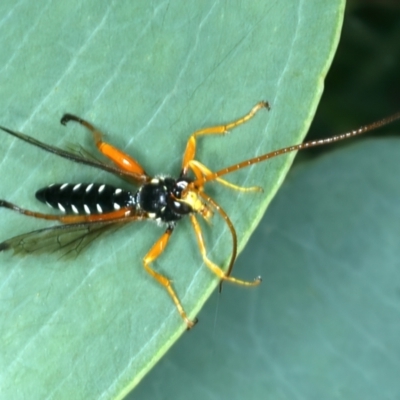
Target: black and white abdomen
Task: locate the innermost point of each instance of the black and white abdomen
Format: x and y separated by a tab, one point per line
85	198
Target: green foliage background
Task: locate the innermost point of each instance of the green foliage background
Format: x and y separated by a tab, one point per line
148	74
325	323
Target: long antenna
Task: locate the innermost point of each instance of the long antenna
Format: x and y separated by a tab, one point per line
366	128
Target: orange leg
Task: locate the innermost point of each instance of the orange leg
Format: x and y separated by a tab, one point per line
118	157
213	267
70	219
152	255
190	151
201	170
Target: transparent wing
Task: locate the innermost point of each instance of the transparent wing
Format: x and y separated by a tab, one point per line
65	240
78	157
84	153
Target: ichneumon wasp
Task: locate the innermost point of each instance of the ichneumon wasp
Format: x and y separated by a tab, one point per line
89	209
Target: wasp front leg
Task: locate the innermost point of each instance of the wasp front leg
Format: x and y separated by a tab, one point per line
190	151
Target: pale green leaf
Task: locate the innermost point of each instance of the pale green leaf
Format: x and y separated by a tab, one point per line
326	321
147	73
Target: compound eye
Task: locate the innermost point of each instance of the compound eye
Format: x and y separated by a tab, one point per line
179	188
179	207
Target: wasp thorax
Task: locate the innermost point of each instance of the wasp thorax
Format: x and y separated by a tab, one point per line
161	199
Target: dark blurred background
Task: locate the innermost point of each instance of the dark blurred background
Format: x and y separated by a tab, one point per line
363	84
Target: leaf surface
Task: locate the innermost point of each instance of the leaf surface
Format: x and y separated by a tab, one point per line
326	321
147	74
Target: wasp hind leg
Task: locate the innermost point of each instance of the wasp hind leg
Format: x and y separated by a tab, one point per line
118	157
151	256
123	213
